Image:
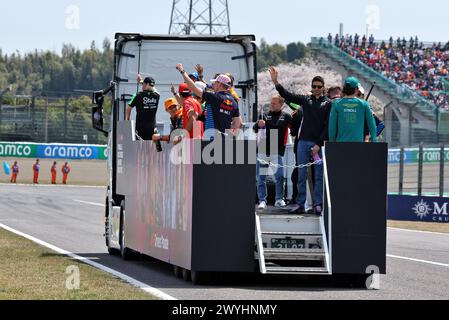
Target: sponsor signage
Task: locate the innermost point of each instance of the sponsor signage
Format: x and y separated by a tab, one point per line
414	208
18	150
53	151
431	155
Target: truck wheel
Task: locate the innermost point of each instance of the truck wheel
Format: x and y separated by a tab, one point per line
177	271
186	275
126	253
111	251
200	277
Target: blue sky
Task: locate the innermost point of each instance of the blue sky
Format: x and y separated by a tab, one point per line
27	25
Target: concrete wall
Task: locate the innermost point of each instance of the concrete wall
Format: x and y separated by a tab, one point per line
83	172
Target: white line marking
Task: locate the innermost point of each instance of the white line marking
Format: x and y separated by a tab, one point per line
143	286
419	231
91	203
419	260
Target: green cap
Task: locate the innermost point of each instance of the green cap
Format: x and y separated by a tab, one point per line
353	82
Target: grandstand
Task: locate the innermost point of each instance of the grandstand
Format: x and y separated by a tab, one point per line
411	79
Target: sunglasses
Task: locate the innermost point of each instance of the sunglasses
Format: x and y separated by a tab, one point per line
317	87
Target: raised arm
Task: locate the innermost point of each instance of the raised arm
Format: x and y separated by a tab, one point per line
176	95
198	92
288	96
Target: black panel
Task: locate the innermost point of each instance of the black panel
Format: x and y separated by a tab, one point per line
358	189
223	221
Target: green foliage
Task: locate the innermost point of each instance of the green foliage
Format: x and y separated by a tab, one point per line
275	54
47	72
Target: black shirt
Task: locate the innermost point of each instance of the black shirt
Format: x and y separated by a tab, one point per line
146	104
176	123
294	128
315	115
279	121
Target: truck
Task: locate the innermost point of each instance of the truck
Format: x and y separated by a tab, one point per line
198	215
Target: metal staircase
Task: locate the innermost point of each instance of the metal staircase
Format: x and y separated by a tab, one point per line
291	244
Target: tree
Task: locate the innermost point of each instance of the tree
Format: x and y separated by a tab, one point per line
295	51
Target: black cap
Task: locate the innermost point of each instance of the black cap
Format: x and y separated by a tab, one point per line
150	81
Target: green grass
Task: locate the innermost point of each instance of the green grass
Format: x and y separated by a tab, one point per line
31	272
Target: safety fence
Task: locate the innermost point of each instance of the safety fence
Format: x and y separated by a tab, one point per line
418	171
50	120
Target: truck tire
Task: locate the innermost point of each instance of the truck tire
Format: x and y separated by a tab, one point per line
186	275
111	251
177	271
125	252
200	277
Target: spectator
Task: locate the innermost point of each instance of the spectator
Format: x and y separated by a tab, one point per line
337	40
356	40
278	121
65	172
329	38
364	42
15	172
348	116
371	40
36	169
313	132
418	68
53	173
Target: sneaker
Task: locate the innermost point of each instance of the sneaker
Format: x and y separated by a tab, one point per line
310	211
298	210
318	210
262	205
280	204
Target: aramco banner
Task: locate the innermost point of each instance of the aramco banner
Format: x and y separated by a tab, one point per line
53	151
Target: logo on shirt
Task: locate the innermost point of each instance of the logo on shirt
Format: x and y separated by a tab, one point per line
148	101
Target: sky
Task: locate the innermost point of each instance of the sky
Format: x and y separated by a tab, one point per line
46	24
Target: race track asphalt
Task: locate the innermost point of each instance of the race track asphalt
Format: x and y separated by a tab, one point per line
71	218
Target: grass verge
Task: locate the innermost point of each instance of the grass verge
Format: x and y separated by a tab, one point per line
420	226
32	272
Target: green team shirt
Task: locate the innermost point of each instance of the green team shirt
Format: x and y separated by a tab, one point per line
347	121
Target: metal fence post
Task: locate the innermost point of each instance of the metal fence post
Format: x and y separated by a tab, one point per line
442	161
33	118
66	102
401	171
420	168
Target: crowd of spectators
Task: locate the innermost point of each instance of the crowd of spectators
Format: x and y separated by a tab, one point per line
413	64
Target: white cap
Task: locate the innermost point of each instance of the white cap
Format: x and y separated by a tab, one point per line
201	85
361	89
